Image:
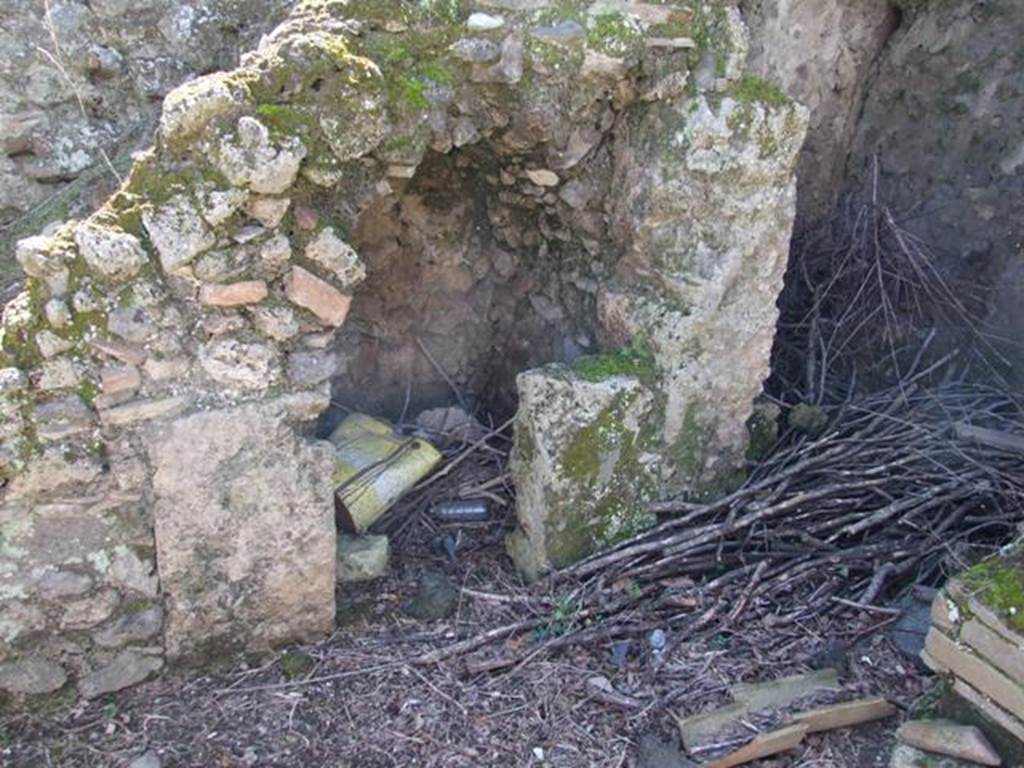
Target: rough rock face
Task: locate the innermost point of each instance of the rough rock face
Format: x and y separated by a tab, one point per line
822	53
705	210
80	79
943	116
244	524
508	185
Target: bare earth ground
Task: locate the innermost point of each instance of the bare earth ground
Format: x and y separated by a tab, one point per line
365	702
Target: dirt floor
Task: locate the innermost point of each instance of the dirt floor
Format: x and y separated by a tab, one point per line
360	698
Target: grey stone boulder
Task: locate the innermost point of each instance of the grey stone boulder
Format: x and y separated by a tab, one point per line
126	669
362	558
133	627
582	464
32	676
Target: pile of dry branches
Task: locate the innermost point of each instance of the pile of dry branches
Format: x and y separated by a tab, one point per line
861	292
895	491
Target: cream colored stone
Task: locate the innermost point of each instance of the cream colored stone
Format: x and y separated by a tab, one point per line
337	257
110	252
142	410
168	369
120	350
543	178
243	480
239	365
268	211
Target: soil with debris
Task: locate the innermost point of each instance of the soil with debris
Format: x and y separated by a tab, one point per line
364	700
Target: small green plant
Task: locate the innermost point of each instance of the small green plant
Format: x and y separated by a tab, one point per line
755	89
613	34
563	616
295	664
110	711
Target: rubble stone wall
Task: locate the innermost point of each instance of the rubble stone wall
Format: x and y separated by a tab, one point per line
164	496
82	79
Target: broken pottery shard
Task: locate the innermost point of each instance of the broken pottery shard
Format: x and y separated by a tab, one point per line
318	296
944	737
765	745
845	715
373	468
233	294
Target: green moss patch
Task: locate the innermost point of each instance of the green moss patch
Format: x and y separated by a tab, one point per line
600	511
634	359
296	664
999	584
758	90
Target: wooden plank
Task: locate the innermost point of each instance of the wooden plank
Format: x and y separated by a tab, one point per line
990	709
765	745
968	667
782	692
845	715
965	597
1000	653
701	730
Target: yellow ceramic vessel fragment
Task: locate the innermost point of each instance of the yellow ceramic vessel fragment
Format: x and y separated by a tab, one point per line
373	468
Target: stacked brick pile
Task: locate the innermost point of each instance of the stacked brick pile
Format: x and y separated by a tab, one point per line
977	637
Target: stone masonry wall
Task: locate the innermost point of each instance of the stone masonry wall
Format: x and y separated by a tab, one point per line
79	79
163	498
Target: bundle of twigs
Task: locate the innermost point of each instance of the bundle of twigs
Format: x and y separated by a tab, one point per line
894	492
862	289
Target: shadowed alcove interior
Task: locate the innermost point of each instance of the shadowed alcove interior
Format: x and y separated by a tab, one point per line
474	274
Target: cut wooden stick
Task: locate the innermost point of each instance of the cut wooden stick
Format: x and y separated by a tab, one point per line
845	715
765	745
